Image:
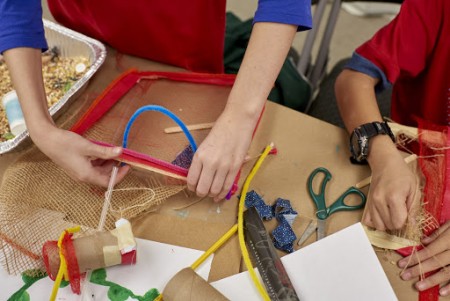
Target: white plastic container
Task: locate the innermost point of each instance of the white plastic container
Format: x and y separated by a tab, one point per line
11	104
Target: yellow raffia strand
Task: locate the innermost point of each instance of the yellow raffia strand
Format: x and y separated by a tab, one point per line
62	272
244	250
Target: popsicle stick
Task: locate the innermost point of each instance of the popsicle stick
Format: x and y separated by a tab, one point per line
432	137
367	180
403	129
153	169
192	127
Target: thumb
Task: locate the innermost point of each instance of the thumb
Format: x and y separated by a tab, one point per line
103	152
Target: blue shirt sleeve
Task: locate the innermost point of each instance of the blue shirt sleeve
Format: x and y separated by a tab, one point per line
295	12
363	65
21	25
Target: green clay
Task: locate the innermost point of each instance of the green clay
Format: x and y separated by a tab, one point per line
151	295
23	297
21	294
117	292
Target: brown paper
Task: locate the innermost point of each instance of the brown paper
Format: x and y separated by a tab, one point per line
188	285
198	230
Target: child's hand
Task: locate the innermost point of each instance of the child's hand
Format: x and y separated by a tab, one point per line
81	159
220	156
392	191
435	256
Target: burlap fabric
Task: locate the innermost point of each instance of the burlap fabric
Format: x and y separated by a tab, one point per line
38	200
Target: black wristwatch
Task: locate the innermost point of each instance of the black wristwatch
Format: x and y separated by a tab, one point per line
359	139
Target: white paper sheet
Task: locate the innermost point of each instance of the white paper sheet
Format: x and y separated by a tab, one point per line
340	267
156	264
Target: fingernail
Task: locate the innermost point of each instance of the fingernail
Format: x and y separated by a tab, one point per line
117	150
406	275
426	239
420	286
443	291
402	263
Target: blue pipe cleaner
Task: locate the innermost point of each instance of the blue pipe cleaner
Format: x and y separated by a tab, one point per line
164	111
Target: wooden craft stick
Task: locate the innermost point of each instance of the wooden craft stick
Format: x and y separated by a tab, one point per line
192	127
403	129
367	180
432	137
153	169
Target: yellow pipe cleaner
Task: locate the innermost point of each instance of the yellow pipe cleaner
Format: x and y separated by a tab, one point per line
244	250
62	272
159	298
215	247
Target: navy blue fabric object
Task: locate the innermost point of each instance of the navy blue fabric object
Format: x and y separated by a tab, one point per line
363	65
294	12
252	199
283	235
21	25
184	159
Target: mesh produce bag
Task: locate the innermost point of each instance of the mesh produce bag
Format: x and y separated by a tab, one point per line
435	165
431	143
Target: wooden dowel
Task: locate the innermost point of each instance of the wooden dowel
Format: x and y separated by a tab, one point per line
192	127
367	180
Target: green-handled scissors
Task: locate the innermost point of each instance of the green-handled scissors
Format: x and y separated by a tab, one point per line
323	212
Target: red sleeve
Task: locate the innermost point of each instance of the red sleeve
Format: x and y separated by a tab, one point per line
403	46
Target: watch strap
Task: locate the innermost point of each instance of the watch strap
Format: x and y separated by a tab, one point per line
375	128
364	133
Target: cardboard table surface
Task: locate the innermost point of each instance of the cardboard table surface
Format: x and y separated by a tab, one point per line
303	144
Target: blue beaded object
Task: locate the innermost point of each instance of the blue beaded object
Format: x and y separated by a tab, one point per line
283	235
184	159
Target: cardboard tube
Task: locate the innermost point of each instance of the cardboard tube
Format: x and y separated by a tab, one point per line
186	285
90	251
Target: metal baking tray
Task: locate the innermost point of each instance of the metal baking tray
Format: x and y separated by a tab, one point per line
69	43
